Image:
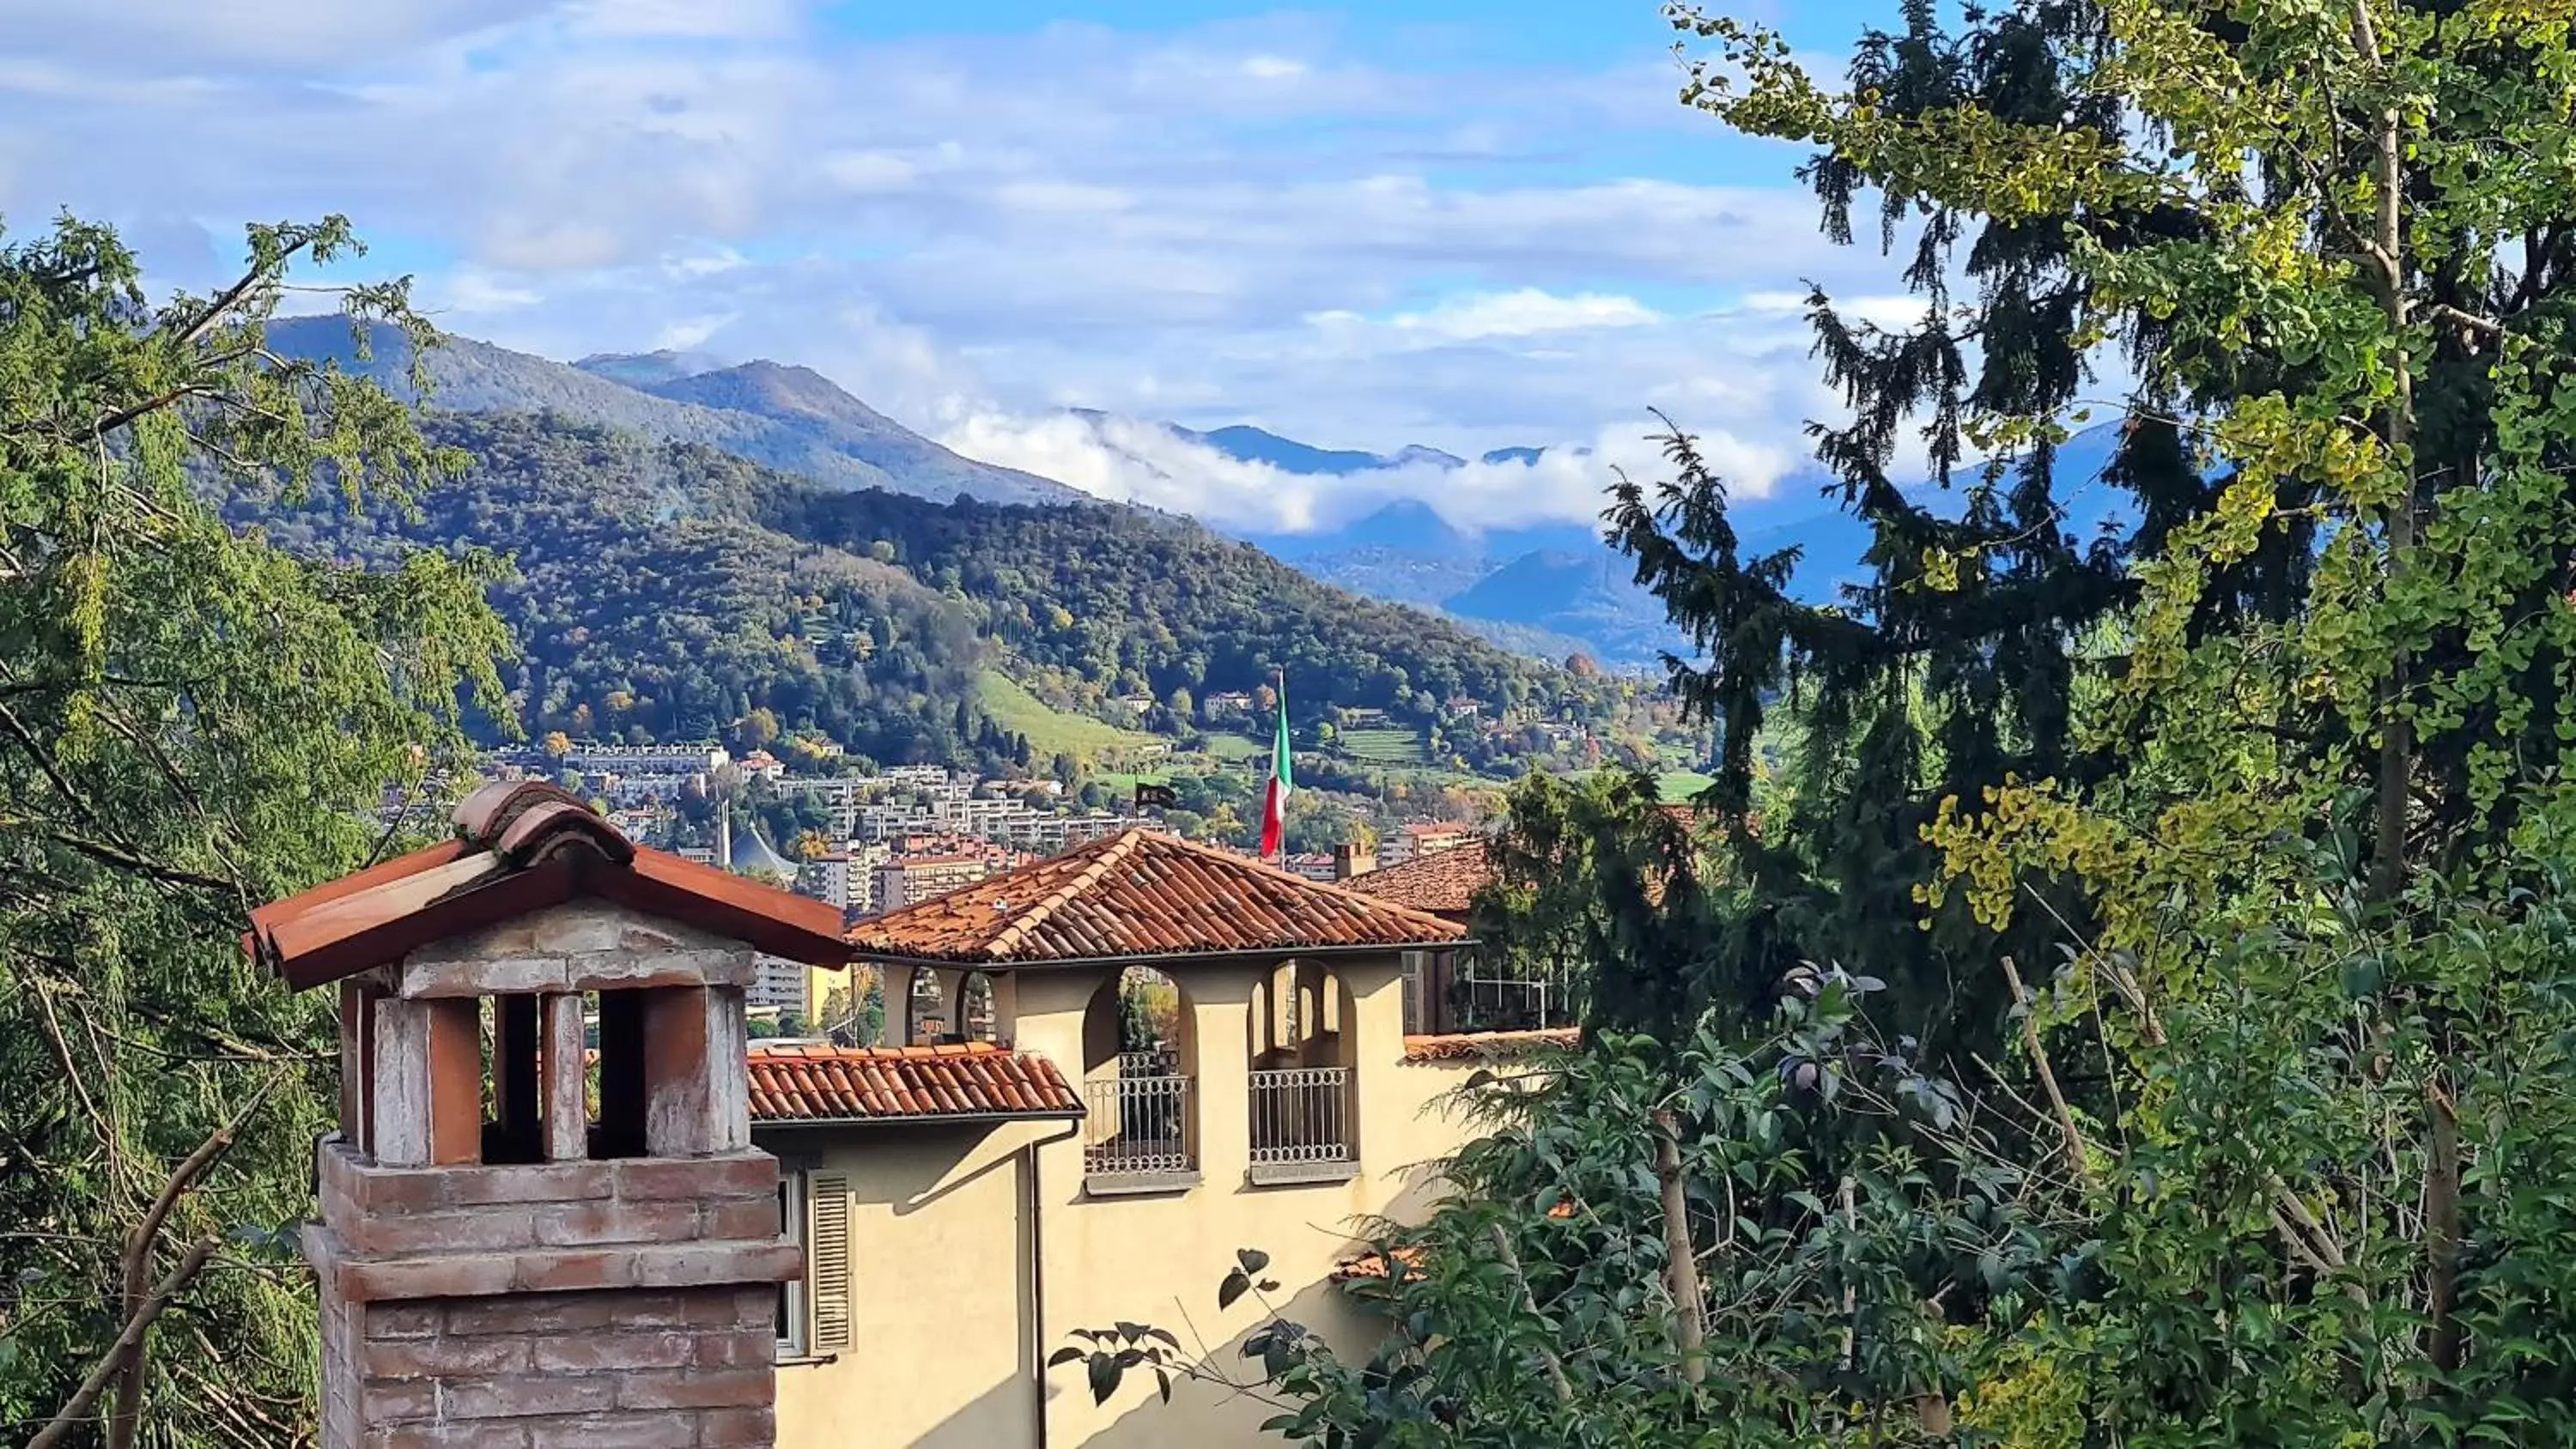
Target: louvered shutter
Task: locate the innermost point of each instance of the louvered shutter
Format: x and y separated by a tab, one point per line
827	1205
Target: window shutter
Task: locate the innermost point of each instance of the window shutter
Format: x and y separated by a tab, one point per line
827	1255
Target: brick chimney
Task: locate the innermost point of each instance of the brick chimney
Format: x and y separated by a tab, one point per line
1351	859
542	1270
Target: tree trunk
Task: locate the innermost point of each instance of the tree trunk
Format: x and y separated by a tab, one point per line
1681	1261
2396	733
2442	1226
2387	247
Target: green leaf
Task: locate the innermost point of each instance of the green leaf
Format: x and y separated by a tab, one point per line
1105	1375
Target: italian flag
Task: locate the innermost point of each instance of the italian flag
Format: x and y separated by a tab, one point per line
1274	805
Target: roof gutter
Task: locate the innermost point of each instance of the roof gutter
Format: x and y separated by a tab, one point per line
862	955
920	1119
1034	1205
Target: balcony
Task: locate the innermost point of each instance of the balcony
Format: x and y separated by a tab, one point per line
1138	1135
1301	1126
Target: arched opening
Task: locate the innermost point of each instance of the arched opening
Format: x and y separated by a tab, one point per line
1303	1127
978	1018
930	1011
1139	1070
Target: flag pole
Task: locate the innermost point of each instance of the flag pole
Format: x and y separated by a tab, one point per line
1274	805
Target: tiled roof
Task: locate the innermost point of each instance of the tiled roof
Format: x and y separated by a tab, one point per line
1413	1255
1444	882
1494	1045
876	1084
1140	893
1373	1265
520	847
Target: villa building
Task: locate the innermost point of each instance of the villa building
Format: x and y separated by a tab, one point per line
1060	1178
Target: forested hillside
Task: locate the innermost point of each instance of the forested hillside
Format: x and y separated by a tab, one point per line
1154	605
664	590
649	609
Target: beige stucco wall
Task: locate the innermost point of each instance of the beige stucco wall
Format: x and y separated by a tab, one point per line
941	1349
945	1341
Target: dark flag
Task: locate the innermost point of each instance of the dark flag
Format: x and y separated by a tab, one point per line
1161	796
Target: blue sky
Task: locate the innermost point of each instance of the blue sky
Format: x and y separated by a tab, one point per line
1364	225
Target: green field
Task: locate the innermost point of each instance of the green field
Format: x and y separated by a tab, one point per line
1679	786
1383	747
1050	731
1235	747
1676	787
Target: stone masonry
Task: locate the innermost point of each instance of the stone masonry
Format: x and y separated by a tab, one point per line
607	1305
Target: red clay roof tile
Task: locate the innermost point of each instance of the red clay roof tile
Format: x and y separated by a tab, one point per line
1492	1045
1141	894
522	845
1444	882
382	872
804	1083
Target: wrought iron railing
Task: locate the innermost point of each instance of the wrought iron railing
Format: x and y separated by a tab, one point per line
1301	1114
1150	1062
1481	1002
1137	1125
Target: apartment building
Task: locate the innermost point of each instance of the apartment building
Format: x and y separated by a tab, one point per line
678	760
778	984
1425	838
846	878
906	879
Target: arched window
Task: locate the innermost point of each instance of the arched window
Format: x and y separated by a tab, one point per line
1303	1124
1139	1085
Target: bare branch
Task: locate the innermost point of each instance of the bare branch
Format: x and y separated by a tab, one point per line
2469	321
1681	1264
58	1431
123	1424
2048	1077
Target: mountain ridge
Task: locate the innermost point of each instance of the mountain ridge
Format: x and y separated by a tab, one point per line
850	446
794	418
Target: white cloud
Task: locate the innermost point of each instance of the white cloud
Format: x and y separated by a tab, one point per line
1525	312
686	19
536	244
1886	311
473	291
278	35
1060	198
703	264
688	335
1241	220
866	172
1111	456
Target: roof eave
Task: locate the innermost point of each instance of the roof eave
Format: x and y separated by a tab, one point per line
860	952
